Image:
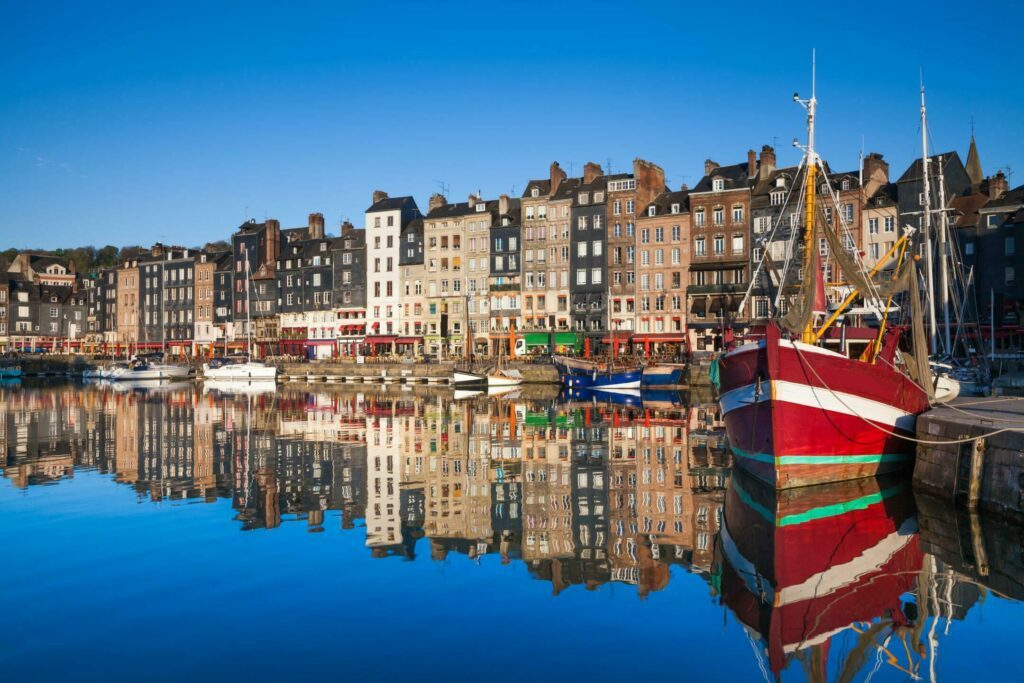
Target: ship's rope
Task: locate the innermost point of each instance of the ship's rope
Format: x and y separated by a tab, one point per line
926	442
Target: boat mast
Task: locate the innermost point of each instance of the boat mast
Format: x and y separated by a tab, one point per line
808	336
248	317
944	255
926	228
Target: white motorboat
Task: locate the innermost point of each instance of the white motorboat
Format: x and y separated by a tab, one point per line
239	367
151	367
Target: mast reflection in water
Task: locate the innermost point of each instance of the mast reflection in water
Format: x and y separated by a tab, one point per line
587	492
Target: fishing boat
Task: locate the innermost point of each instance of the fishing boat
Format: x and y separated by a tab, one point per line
664	375
241	366
798	412
583	374
801	567
501	376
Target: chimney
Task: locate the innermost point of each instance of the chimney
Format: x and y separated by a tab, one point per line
557	176
875	164
472	201
767	164
684	187
650	181
437	200
709	166
997	185
316	226
346	227
273	241
591	171
503	205
751	163
379	196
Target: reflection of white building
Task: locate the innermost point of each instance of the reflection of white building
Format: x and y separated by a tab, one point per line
383	454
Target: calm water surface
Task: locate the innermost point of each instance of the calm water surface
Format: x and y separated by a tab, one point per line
403	535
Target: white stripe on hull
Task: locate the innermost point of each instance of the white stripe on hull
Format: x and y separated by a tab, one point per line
817	397
621	385
834	578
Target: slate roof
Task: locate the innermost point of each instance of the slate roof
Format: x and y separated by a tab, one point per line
1010	201
392	204
913	172
663	204
735	177
966	207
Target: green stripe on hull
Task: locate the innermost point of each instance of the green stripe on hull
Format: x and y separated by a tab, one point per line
822	459
823	512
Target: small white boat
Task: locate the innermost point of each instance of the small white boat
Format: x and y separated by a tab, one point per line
463	394
504	378
240	367
151	367
464	379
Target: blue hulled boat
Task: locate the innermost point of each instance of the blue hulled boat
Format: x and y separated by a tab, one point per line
585	374
664	375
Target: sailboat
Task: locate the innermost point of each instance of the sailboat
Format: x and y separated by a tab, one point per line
798	413
151	366
241	367
501	376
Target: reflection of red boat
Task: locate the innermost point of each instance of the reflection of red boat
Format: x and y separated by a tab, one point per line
789	428
805	564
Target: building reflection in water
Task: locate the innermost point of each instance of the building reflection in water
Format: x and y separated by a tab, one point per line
582	490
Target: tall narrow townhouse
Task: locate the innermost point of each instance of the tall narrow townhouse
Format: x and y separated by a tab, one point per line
505	286
627	194
411	284
588	284
546	205
454	296
663	261
385	219
350	289
719	214
879	214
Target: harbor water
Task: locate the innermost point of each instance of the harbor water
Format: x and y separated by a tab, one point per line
382	533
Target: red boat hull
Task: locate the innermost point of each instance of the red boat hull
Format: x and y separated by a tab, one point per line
798	415
803	565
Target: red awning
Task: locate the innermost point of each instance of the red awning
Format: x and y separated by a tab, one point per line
382	339
407	341
659	337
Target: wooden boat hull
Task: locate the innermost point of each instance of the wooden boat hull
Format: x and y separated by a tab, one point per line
803	565
797	415
664	375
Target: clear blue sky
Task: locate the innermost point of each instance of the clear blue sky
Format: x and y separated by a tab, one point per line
128	123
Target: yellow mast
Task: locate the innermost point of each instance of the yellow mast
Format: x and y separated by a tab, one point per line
808	336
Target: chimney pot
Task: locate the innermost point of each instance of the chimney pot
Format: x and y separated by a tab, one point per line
709	166
437	200
503	205
379	195
591	172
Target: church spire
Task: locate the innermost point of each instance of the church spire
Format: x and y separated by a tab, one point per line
974	164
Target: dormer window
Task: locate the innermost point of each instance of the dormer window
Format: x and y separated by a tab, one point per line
675	208
348	244
846	183
481	207
598	197
780	182
323	246
778	198
584	197
535	192
651	210
718	184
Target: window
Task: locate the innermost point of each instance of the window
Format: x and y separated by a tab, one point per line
700	247
761	223
872	226
874	250
534	192
778	198
596	248
645	236
616	207
890	223
718	184
53	312
719	244
629	205
581	276
651	210
595	276
675	208
676	233
1009	275
737	214
737	244
1008	246
993	222
969	249
581	222
581	249
822	247
718	215
847	208
698	218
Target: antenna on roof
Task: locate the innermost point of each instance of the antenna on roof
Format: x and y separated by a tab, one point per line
444	187
609	160
571	167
